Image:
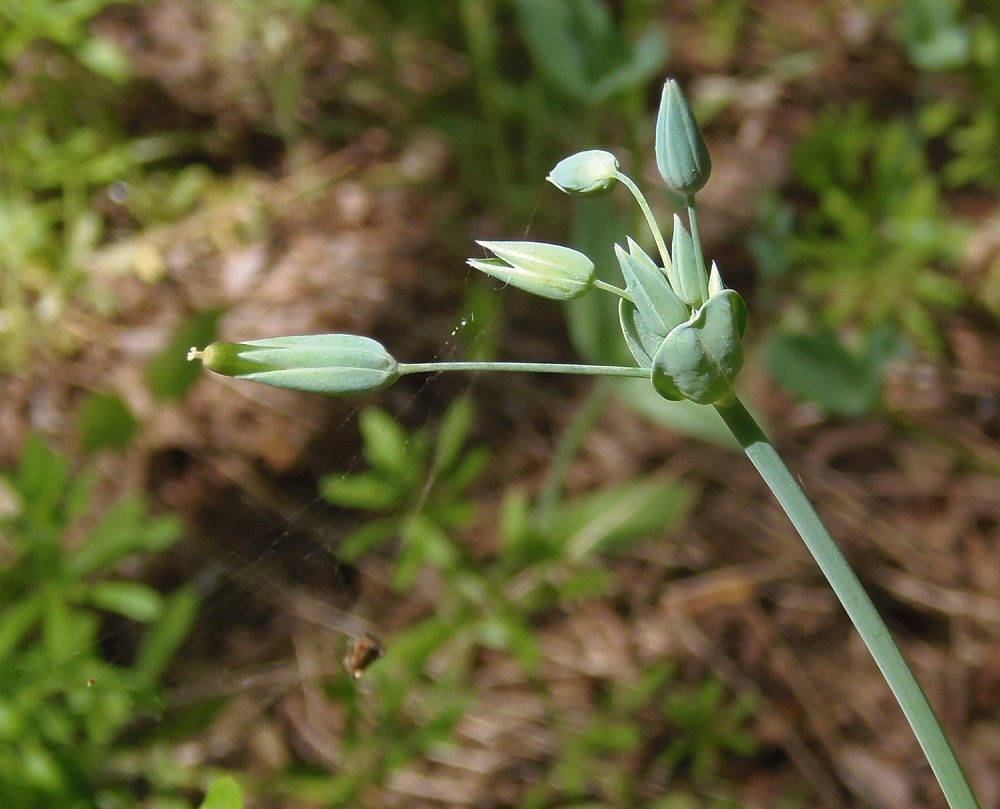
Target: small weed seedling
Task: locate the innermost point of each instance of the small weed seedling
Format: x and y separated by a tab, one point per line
421	481
710	727
684	330
873	248
63	706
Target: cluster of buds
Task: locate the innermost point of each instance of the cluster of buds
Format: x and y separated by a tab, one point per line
682	326
678	320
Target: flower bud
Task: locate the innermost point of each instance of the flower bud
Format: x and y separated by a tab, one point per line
655	301
681	154
586	174
335	364
548	270
690	278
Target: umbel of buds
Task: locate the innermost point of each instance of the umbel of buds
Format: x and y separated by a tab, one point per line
682	327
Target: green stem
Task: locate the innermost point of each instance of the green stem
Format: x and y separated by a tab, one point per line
856	602
621	293
525	367
661	245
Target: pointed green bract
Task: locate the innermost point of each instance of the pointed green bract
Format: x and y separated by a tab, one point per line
586	174
641	255
681	154
549	270
656	302
715	284
699	360
642	341
334	364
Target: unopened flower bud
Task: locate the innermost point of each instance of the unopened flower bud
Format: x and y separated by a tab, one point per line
681	154
335	364
690	278
588	174
548	270
658	306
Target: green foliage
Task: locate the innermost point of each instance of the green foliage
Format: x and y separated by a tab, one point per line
932	33
702	726
708	726
224	793
874	246
547	556
57	140
480	331
723	28
61	145
421	482
104	421
63	706
169	374
62	23
962	41
820	368
592	320
590	62
872	252
552	553
576	45
588	754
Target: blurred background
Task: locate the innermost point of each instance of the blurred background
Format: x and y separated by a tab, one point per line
584	596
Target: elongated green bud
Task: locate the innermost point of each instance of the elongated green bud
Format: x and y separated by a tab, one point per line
586	174
548	270
681	154
334	364
690	277
656	302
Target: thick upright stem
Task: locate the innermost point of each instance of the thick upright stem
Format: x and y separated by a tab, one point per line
855	600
